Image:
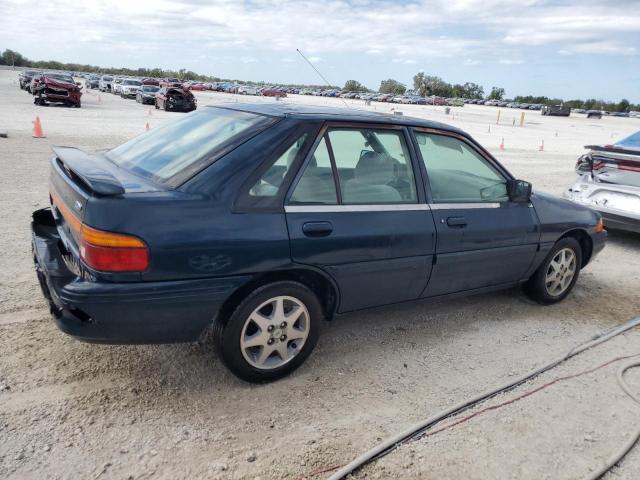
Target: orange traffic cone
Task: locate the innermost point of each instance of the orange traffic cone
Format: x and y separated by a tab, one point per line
147	126
502	144
541	147
37	128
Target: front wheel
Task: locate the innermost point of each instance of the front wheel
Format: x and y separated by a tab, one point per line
271	332
557	275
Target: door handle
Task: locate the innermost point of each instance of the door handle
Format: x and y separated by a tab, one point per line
457	222
317	229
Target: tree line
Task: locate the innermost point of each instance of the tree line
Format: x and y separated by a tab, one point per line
423	84
429	85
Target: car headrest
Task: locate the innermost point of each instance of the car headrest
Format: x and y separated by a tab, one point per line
374	169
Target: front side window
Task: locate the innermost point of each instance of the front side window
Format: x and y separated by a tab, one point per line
457	173
373	167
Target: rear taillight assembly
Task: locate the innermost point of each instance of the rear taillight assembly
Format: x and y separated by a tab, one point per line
102	250
112	252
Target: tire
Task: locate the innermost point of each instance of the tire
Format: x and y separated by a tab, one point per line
245	361
551	284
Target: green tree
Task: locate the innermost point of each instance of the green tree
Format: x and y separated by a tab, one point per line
392	86
354	86
623	106
497	93
428	85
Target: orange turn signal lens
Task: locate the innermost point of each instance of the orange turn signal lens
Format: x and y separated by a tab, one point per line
100	238
600	226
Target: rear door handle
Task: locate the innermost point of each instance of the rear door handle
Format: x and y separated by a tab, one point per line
317	229
457	222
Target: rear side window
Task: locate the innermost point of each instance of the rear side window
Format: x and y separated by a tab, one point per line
270	182
317	185
175	151
373	167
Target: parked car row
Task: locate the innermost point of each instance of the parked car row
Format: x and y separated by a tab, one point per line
51	87
169	94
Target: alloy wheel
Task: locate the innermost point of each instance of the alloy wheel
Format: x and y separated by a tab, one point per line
275	332
560	272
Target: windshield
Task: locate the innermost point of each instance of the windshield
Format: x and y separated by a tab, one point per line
180	148
107	79
132	82
62	78
150	88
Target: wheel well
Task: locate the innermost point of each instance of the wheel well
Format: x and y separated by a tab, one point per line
316	282
586	244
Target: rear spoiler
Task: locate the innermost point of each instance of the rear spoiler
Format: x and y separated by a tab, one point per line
89	171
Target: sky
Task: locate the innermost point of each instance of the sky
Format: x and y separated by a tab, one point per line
565	48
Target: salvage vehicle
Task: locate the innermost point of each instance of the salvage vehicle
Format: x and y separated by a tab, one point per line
247	90
594	114
25	77
273	92
147	94
555	110
56	88
129	88
116	85
105	83
609	182
175	99
92	82
253	223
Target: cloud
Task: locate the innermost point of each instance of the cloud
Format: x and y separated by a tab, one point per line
510	61
470	61
315	59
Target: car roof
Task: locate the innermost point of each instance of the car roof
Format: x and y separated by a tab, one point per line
309	112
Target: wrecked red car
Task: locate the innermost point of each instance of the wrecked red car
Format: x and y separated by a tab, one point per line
273	92
175	99
151	81
56	88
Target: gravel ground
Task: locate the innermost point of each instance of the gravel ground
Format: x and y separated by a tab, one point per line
75	410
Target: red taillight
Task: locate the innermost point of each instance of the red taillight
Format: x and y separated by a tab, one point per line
109	259
105	251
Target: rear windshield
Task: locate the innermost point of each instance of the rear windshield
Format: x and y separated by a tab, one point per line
177	150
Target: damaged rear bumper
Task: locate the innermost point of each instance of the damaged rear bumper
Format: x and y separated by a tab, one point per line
619	205
122	312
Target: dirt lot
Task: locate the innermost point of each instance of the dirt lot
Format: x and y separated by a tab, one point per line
74	410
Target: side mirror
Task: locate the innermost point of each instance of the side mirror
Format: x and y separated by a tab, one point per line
519	190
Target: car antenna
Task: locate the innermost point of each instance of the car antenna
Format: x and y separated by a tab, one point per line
320	74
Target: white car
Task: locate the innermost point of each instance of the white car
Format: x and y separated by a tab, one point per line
246	90
129	87
116	84
105	83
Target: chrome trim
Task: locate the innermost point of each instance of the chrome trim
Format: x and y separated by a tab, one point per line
355	208
452	206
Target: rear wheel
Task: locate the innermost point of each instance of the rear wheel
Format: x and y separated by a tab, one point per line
557	275
271	332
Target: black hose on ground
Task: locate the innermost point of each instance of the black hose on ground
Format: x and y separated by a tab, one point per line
394	442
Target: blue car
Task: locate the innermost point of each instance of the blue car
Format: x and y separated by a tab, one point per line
256	222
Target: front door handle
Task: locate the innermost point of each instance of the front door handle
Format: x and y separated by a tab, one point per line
457	222
317	229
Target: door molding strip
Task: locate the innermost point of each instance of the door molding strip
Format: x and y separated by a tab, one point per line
385	208
355	208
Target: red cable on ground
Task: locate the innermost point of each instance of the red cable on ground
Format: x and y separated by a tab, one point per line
524	395
487	409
